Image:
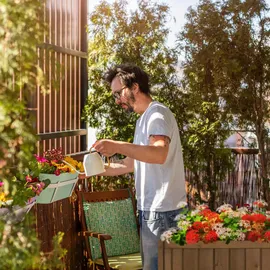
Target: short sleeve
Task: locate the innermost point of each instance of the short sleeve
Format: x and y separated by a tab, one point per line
159	123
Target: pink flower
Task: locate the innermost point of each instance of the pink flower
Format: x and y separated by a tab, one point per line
28	178
1	184
40	159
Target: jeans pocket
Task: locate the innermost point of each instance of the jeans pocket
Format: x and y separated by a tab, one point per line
152	222
172	222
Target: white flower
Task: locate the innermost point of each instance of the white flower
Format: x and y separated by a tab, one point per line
245	224
181	205
240	236
234	214
167	235
180	217
195	212
242	210
202	207
184	224
224	208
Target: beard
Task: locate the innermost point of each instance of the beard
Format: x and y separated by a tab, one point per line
129	104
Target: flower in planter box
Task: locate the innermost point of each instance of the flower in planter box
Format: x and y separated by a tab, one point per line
51	162
54	162
225	224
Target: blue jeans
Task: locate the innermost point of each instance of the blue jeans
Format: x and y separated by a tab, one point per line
152	225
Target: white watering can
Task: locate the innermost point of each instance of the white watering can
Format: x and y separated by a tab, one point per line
93	163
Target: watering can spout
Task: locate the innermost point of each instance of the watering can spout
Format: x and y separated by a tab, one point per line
93	164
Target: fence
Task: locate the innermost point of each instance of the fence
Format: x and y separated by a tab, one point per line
241	186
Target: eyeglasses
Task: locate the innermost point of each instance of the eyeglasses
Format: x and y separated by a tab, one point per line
117	94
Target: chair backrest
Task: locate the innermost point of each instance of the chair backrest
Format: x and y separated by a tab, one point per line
113	213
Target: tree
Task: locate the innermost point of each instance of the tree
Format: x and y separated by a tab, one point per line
116	37
206	123
226	44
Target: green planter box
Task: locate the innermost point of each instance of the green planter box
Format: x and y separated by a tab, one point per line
61	187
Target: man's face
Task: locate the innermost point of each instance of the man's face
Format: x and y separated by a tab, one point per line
123	95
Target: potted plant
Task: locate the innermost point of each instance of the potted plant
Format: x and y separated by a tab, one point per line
221	239
61	172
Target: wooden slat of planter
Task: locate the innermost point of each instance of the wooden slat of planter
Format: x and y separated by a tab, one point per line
168	258
160	255
237	259
222	259
265	257
177	259
206	259
190	259
253	259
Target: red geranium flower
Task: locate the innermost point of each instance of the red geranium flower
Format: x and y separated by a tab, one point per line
205	212
192	237
259	218
210	237
247	217
197	225
253	236
267	236
213	216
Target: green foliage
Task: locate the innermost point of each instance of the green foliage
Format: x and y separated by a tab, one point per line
204	152
21	30
116	37
19	247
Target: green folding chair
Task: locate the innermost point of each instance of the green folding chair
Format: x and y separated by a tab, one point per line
110	215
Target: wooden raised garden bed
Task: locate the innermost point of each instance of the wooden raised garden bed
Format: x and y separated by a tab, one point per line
214	256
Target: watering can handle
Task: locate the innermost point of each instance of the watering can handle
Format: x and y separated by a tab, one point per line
108	159
72	167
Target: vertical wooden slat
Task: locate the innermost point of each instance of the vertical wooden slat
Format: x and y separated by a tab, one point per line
206	264
160	255
168	259
265	259
253	261
177	260
221	259
237	259
190	259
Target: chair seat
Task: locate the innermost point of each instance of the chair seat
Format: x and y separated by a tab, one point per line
124	262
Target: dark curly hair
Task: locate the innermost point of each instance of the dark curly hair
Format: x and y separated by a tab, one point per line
129	74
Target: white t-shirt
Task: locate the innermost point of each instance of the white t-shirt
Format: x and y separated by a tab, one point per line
159	187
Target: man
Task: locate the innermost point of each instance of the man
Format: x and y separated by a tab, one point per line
155	157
